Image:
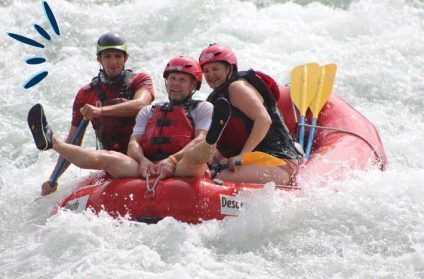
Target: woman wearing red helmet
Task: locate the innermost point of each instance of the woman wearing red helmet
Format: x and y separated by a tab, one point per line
255	123
168	138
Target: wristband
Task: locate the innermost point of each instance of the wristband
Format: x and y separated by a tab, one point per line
173	159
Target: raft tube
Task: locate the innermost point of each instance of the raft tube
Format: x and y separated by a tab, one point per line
344	140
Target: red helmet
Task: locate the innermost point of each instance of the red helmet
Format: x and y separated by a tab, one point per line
214	53
183	64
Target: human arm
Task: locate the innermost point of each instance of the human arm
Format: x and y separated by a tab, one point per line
129	108
142	86
248	100
135	151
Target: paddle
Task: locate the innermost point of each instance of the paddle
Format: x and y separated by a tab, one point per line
59	168
260	159
325	85
257	158
303	86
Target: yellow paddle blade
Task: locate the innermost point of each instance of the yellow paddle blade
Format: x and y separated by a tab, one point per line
261	159
325	86
303	85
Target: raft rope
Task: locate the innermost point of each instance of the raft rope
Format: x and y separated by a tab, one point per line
150	191
380	160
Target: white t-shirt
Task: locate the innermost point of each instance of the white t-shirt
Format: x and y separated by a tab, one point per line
201	115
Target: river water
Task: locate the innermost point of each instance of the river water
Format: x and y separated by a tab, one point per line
369	226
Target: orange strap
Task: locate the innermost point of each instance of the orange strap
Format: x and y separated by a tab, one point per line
173	159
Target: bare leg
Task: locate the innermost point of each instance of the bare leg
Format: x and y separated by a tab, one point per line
115	163
258	174
193	162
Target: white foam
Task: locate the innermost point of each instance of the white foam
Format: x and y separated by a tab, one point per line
367	226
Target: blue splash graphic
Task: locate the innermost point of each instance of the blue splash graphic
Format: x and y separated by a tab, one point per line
50	17
25	40
35	60
42	32
38	77
35	79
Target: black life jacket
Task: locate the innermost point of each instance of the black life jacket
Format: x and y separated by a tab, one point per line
277	141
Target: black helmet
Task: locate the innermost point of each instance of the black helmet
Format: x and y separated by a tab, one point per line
111	41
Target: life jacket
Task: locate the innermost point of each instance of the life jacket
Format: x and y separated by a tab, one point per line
114	132
277	141
169	130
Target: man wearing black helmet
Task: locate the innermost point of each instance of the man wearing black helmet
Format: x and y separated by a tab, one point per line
111	101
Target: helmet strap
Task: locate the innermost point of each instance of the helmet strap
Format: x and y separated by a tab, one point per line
230	74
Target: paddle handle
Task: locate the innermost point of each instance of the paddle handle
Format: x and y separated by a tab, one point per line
219	167
59	168
311	138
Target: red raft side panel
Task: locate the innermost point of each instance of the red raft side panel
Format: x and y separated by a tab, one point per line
190	200
195	200
334	151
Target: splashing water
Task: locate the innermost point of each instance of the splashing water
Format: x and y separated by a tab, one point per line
369	226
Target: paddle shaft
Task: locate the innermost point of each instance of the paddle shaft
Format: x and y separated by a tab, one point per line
311	138
304	105
257	158
301	130
219	167
59	168
325	86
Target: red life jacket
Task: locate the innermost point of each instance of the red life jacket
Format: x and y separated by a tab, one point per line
277	141
114	132
168	131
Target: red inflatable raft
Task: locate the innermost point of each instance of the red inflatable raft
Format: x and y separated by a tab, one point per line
345	140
